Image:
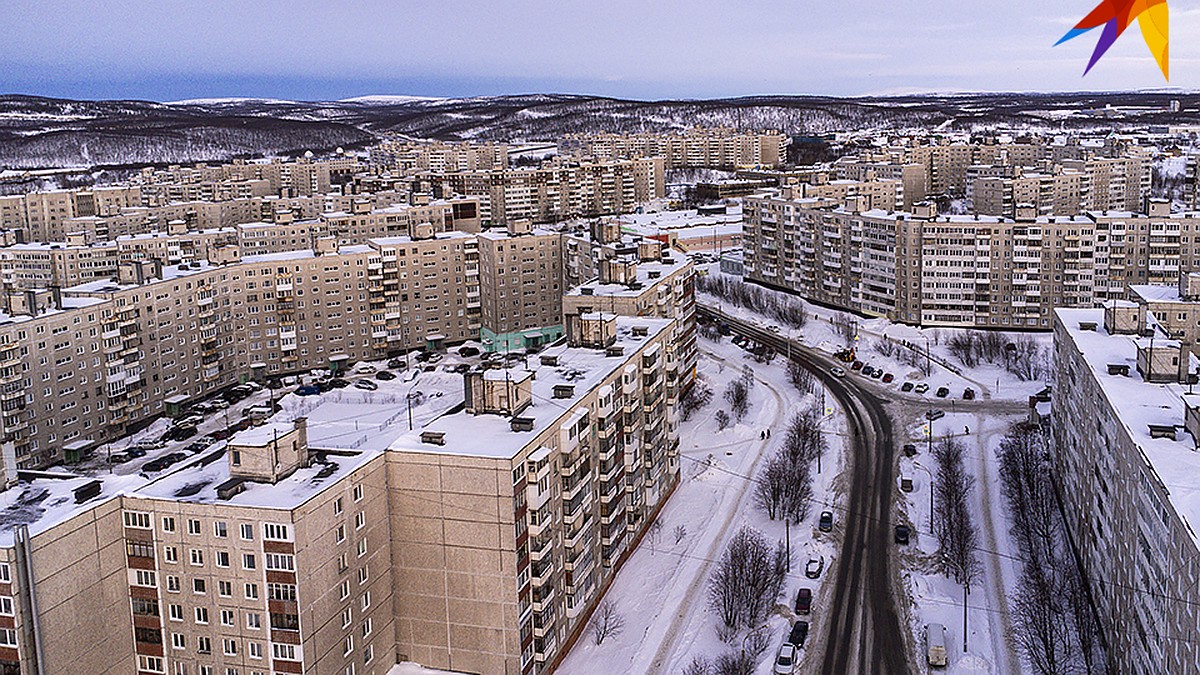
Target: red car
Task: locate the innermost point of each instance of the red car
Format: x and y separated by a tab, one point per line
804	601
857	365
887	377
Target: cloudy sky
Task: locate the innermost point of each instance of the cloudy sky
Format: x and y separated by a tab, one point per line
303	49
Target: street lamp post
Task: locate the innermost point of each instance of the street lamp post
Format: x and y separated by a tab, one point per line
928	365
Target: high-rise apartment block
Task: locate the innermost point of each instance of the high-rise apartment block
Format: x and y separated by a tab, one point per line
712	148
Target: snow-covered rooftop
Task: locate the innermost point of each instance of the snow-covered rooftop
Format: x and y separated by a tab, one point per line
1139	404
649	273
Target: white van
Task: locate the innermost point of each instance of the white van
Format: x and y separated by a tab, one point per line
935	644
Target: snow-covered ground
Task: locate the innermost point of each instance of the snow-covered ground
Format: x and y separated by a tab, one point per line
662	590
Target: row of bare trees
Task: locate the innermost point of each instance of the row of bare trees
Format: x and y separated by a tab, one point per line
748	579
737	395
784	309
784	486
1055	627
908	355
958	540
1021	355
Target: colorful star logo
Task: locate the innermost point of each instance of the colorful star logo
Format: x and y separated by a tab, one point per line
1115	16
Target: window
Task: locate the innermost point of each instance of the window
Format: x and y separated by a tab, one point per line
229	647
366	627
171	554
360	519
5	573
344	590
337	506
168	524
248	562
139	549
176	612
199	586
219	529
193	526
276	532
281	561
172	583
358	493
366	600
137	519
348	645
178	641
151	636
364	573
179	668
152	664
253	620
197	556
362	547
204	645
347	617
285	621
339	534
251	591
143	578
247	532
141	606
284	592
368	653
225	589
254	649
8	637
283	651
222	558
202	615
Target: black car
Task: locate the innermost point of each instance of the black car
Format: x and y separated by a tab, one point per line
826	522
339	383
968	394
468	350
385	375
901	534
910	449
943	392
867	370
395	363
907	386
803	601
799	633
135	452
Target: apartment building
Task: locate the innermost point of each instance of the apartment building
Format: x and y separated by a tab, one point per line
1065	193
704	147
559	190
913	178
981	271
520	269
439	157
479	541
1125	433
31	266
285	178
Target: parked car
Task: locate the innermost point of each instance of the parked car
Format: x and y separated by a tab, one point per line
902	534
364	369
814	567
395	364
825	524
935	644
219	404
910	449
943	392
804	601
339	383
194	447
921	388
888	377
149	444
867	370
307	390
181	433
785	660
253	386
838	371
968	394
857	365
136	452
907	386
877	373
366	385
385	375
206	440
799	633
119	458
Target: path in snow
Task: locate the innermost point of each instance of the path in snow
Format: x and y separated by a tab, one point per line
986	493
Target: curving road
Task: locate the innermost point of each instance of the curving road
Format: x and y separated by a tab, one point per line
863	632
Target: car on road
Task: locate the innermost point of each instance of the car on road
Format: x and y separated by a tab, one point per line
366	385
901	534
888	377
921	388
943	392
804	601
838	371
785	660
799	633
825	524
907	386
935	415
385	375
968	394
814	567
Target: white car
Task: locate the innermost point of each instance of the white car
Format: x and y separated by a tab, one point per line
838	371
814	567
785	660
367	385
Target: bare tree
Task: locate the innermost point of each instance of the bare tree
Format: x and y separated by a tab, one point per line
698	666
694	399
607	621
734	662
801	378
679	533
748	578
958	539
723	420
654	534
737	394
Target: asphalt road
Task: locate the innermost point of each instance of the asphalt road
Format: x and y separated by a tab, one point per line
862	632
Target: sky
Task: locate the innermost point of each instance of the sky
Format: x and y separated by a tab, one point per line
320	50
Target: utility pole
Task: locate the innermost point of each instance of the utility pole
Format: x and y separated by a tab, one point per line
966	591
787	536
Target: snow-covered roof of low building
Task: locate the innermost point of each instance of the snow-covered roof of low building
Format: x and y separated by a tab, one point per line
649	274
1156	292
